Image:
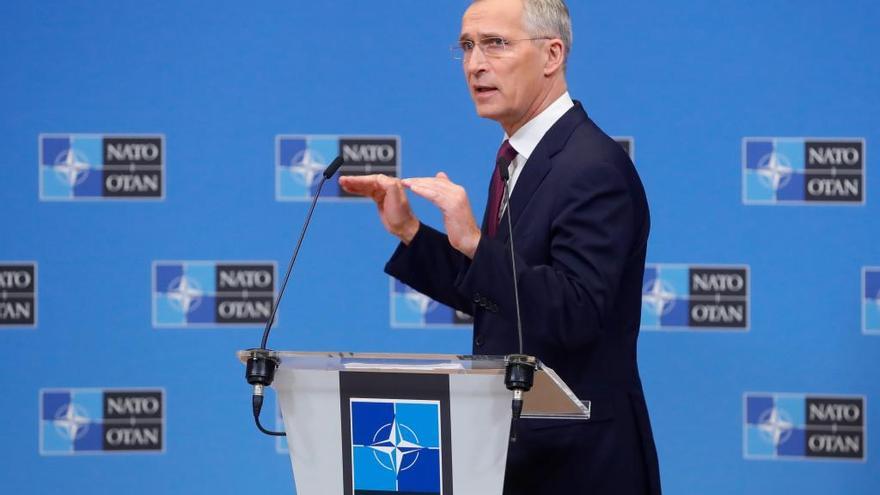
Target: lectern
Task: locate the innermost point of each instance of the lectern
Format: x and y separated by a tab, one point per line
375	424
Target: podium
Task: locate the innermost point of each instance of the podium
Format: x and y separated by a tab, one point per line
374	424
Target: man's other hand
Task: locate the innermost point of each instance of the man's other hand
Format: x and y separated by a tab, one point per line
390	198
452	200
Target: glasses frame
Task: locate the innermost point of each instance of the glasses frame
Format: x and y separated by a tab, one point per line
459	53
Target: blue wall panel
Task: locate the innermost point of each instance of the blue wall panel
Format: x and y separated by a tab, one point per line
687	80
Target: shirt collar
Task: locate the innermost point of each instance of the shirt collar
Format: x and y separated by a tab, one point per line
526	139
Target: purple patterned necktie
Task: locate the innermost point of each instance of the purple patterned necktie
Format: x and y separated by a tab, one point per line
506	155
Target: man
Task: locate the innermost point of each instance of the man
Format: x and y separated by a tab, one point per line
580	225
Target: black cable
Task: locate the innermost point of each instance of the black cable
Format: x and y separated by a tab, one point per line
257	398
261	365
513	265
520	369
257	402
516	411
502	165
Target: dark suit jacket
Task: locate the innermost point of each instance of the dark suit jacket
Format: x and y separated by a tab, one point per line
580	227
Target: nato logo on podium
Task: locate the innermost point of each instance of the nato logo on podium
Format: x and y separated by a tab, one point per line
395	446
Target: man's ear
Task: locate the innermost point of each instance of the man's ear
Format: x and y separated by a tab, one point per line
555	56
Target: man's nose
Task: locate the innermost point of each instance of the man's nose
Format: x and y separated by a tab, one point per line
475	61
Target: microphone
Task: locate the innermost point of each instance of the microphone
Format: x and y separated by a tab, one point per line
519	374
261	365
503	165
330	171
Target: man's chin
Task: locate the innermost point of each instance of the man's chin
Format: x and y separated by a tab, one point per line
488	111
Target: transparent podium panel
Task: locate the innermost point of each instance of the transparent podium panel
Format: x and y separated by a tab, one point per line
549	398
405	423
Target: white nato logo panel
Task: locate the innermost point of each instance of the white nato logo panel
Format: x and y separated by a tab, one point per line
18	294
81	421
695	297
803	171
787	426
301	159
190	294
410	308
101	167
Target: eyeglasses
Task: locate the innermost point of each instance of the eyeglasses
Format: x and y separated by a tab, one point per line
491	46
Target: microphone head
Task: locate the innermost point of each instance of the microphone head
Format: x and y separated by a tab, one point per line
333	167
503	163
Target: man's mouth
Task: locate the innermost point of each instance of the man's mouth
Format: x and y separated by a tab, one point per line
484	90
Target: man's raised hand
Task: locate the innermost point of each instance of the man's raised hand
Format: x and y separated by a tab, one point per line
452	200
390	198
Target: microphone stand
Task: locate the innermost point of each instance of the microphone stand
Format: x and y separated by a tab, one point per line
261	364
519	373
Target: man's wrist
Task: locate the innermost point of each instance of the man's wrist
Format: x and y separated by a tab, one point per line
470	249
409	231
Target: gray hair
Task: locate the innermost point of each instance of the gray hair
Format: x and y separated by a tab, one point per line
548	18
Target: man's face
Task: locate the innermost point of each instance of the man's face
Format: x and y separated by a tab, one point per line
503	88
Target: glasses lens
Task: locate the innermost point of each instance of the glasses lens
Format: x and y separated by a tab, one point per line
492	46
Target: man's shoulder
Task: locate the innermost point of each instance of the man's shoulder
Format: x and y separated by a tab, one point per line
590	140
579	154
588	149
575	137
589	158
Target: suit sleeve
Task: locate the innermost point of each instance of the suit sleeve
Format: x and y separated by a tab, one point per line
568	300
430	265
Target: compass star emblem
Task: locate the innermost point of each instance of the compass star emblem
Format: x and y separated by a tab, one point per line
659	296
775	425
185	293
71	421
71	167
306	165
395	447
774	170
419	301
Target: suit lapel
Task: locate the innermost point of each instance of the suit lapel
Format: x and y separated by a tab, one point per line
538	166
533	173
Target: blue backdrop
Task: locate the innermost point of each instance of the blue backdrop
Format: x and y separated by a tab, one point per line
687	80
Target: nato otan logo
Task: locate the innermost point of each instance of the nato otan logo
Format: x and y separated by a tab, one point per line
75	167
101	421
696	297
779	171
412	309
799	426
212	293
18	294
395	446
300	160
871	300
628	143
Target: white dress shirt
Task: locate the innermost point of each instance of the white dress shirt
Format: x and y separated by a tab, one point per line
528	136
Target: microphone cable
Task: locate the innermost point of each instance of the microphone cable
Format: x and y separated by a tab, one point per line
519	374
261	365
